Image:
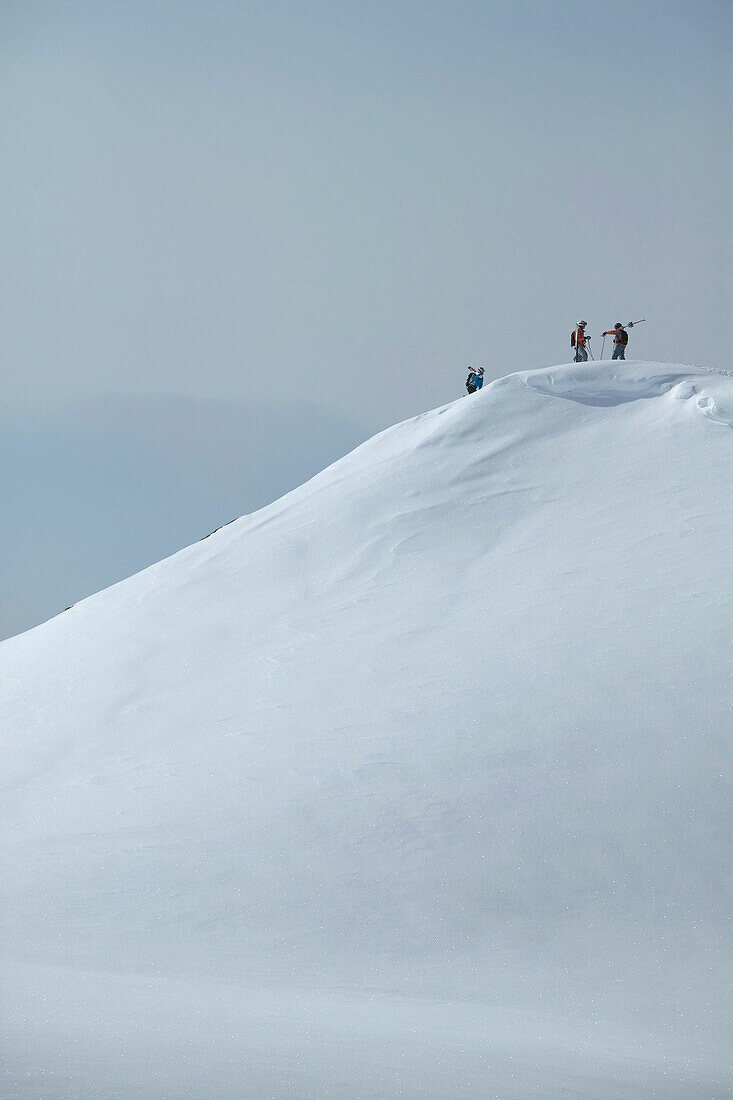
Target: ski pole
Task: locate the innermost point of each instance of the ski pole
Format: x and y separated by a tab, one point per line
603	345
589	351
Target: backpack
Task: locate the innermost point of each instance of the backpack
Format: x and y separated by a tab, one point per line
623	337
572	338
472	379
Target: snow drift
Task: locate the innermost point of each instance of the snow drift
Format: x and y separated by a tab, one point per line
410	784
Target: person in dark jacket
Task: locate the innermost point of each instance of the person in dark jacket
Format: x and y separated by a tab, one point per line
475	379
620	340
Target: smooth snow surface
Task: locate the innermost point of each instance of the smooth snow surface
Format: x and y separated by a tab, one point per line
412	784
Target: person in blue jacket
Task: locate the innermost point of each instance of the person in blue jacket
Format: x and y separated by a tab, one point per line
475	379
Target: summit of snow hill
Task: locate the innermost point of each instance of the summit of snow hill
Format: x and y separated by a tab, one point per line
411	784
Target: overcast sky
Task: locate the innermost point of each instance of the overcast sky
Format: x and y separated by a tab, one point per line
240	237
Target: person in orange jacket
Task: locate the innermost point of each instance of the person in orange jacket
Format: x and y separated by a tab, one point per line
579	341
620	340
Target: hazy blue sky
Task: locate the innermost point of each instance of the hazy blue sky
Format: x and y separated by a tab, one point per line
238	238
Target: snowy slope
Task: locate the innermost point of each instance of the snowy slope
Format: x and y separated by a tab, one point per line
411	784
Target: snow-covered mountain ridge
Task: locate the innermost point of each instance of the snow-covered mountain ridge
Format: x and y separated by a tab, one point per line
448	724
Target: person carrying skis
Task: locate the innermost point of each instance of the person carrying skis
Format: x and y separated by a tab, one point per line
475	379
578	341
620	339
